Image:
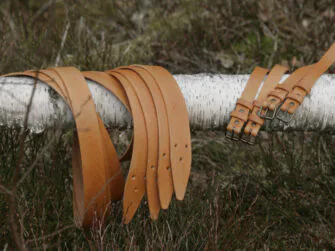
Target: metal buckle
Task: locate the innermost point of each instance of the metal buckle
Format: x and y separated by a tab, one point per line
265	116
249	139
284	115
232	135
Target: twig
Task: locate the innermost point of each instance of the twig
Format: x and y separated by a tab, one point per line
5	190
43	9
66	31
52	234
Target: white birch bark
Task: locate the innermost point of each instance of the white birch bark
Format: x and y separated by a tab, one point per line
209	100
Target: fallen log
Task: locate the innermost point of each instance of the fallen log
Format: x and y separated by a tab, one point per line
209	100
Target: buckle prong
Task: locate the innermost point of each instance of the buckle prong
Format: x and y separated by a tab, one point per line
266	112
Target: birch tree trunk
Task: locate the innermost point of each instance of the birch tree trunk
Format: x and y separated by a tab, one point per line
209	100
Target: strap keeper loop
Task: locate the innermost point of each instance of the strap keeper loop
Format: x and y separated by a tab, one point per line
301	85
244	103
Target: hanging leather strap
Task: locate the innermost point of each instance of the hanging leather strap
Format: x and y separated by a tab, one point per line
135	183
116	88
276	97
304	86
155	115
95	165
151	122
150	115
172	123
244	104
255	123
163	171
179	129
160	150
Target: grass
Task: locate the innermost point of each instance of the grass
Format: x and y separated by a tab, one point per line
278	194
261	197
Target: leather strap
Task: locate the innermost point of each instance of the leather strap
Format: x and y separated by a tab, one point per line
149	112
254	121
135	184
304	86
161	156
147	84
163	170
277	96
116	88
151	122
179	129
95	166
245	104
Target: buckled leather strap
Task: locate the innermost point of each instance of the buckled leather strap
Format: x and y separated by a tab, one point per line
95	166
255	122
245	104
276	97
304	86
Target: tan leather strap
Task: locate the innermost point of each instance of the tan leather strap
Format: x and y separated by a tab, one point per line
151	122
142	83
135	184
304	86
245	104
116	88
277	96
255	122
179	129
95	166
130	84
163	170
161	157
